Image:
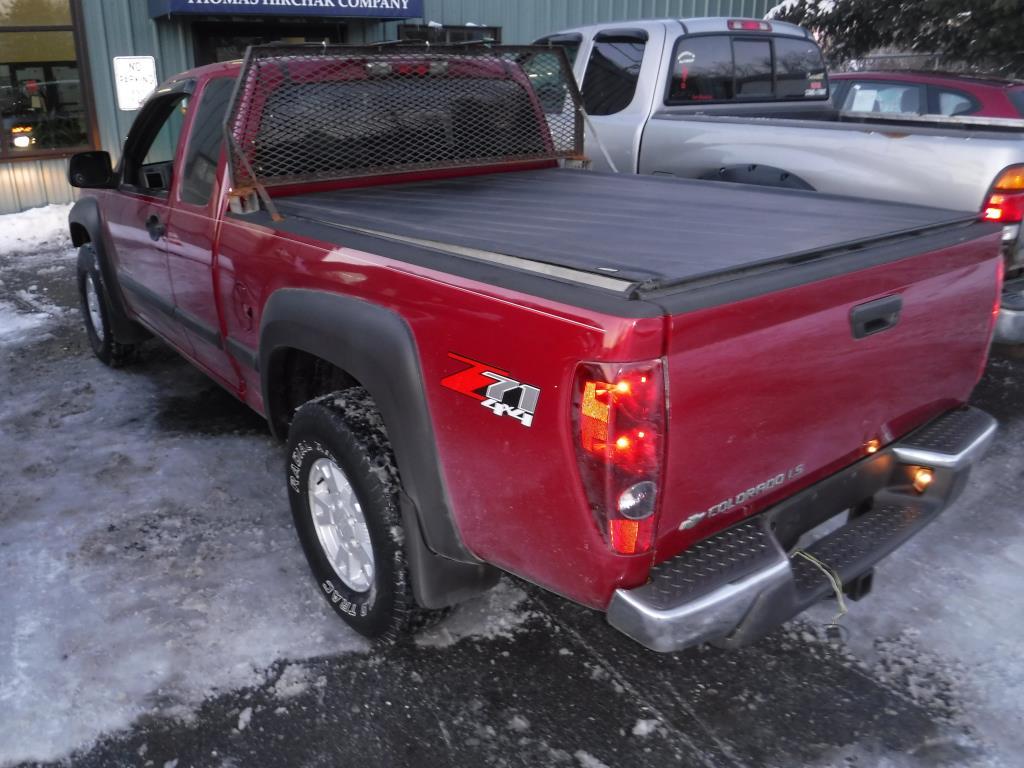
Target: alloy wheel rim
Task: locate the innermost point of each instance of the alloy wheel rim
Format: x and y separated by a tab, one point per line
340	525
92	303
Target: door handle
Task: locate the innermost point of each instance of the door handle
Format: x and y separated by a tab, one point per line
156	228
875	316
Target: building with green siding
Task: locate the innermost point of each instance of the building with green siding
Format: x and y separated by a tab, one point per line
72	72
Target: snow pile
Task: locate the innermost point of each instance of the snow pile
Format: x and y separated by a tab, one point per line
244	718
31	242
295	680
498	613
645	727
519	724
36	229
587	760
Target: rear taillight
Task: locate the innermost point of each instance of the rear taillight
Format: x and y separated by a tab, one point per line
1005	202
619	415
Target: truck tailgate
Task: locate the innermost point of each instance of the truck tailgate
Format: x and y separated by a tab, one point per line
771	393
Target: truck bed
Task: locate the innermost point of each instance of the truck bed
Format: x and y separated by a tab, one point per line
638	230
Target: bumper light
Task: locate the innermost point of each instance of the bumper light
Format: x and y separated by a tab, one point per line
922	479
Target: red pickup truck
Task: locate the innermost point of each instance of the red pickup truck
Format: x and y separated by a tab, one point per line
639	393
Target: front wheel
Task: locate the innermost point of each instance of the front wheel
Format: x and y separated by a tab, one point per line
95	305
343	487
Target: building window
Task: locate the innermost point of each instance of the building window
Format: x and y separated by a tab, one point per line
42	99
443	34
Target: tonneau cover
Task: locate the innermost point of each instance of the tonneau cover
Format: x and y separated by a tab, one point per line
659	231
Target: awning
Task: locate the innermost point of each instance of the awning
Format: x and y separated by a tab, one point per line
326	9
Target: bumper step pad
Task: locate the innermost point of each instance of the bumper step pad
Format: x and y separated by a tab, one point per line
852	550
723	558
949	441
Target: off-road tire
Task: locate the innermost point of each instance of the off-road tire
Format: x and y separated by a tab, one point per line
346	428
101	338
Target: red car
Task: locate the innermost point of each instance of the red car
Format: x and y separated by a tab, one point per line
637	392
927	93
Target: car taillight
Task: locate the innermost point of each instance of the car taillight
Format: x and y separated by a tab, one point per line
1005	202
619	418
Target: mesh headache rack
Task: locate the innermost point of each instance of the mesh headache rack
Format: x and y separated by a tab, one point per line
318	113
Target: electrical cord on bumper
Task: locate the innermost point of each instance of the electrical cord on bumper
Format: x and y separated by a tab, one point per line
834	631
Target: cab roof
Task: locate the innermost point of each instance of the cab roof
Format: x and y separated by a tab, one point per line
697	25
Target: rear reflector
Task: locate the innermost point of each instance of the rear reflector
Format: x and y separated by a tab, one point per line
631	537
749	25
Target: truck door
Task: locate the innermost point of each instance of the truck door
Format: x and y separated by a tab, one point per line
616	96
137	224
192	229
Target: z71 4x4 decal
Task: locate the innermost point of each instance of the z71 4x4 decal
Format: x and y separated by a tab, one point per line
494	389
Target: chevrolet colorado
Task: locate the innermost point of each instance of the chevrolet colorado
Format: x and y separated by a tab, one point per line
639	393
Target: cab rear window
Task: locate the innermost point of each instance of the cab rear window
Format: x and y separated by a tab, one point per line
710	68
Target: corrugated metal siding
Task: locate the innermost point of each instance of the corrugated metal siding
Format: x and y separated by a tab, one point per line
30	183
123	28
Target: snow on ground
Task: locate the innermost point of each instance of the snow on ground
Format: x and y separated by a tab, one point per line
498	613
956	648
17	326
36	239
150	570
37	229
146	566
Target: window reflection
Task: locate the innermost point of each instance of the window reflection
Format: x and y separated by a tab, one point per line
42	104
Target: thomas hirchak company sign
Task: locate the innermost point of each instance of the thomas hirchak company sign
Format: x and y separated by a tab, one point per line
381	9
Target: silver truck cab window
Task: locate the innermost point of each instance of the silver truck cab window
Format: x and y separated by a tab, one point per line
799	69
702	70
753	62
717	68
613	71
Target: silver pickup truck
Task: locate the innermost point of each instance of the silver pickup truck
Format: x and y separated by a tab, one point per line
746	100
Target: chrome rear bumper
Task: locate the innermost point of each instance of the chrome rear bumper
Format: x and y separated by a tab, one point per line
737	585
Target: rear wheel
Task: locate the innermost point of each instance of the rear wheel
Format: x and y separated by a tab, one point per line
343	487
96	312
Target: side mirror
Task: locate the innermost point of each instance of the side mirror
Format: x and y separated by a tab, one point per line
91	170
